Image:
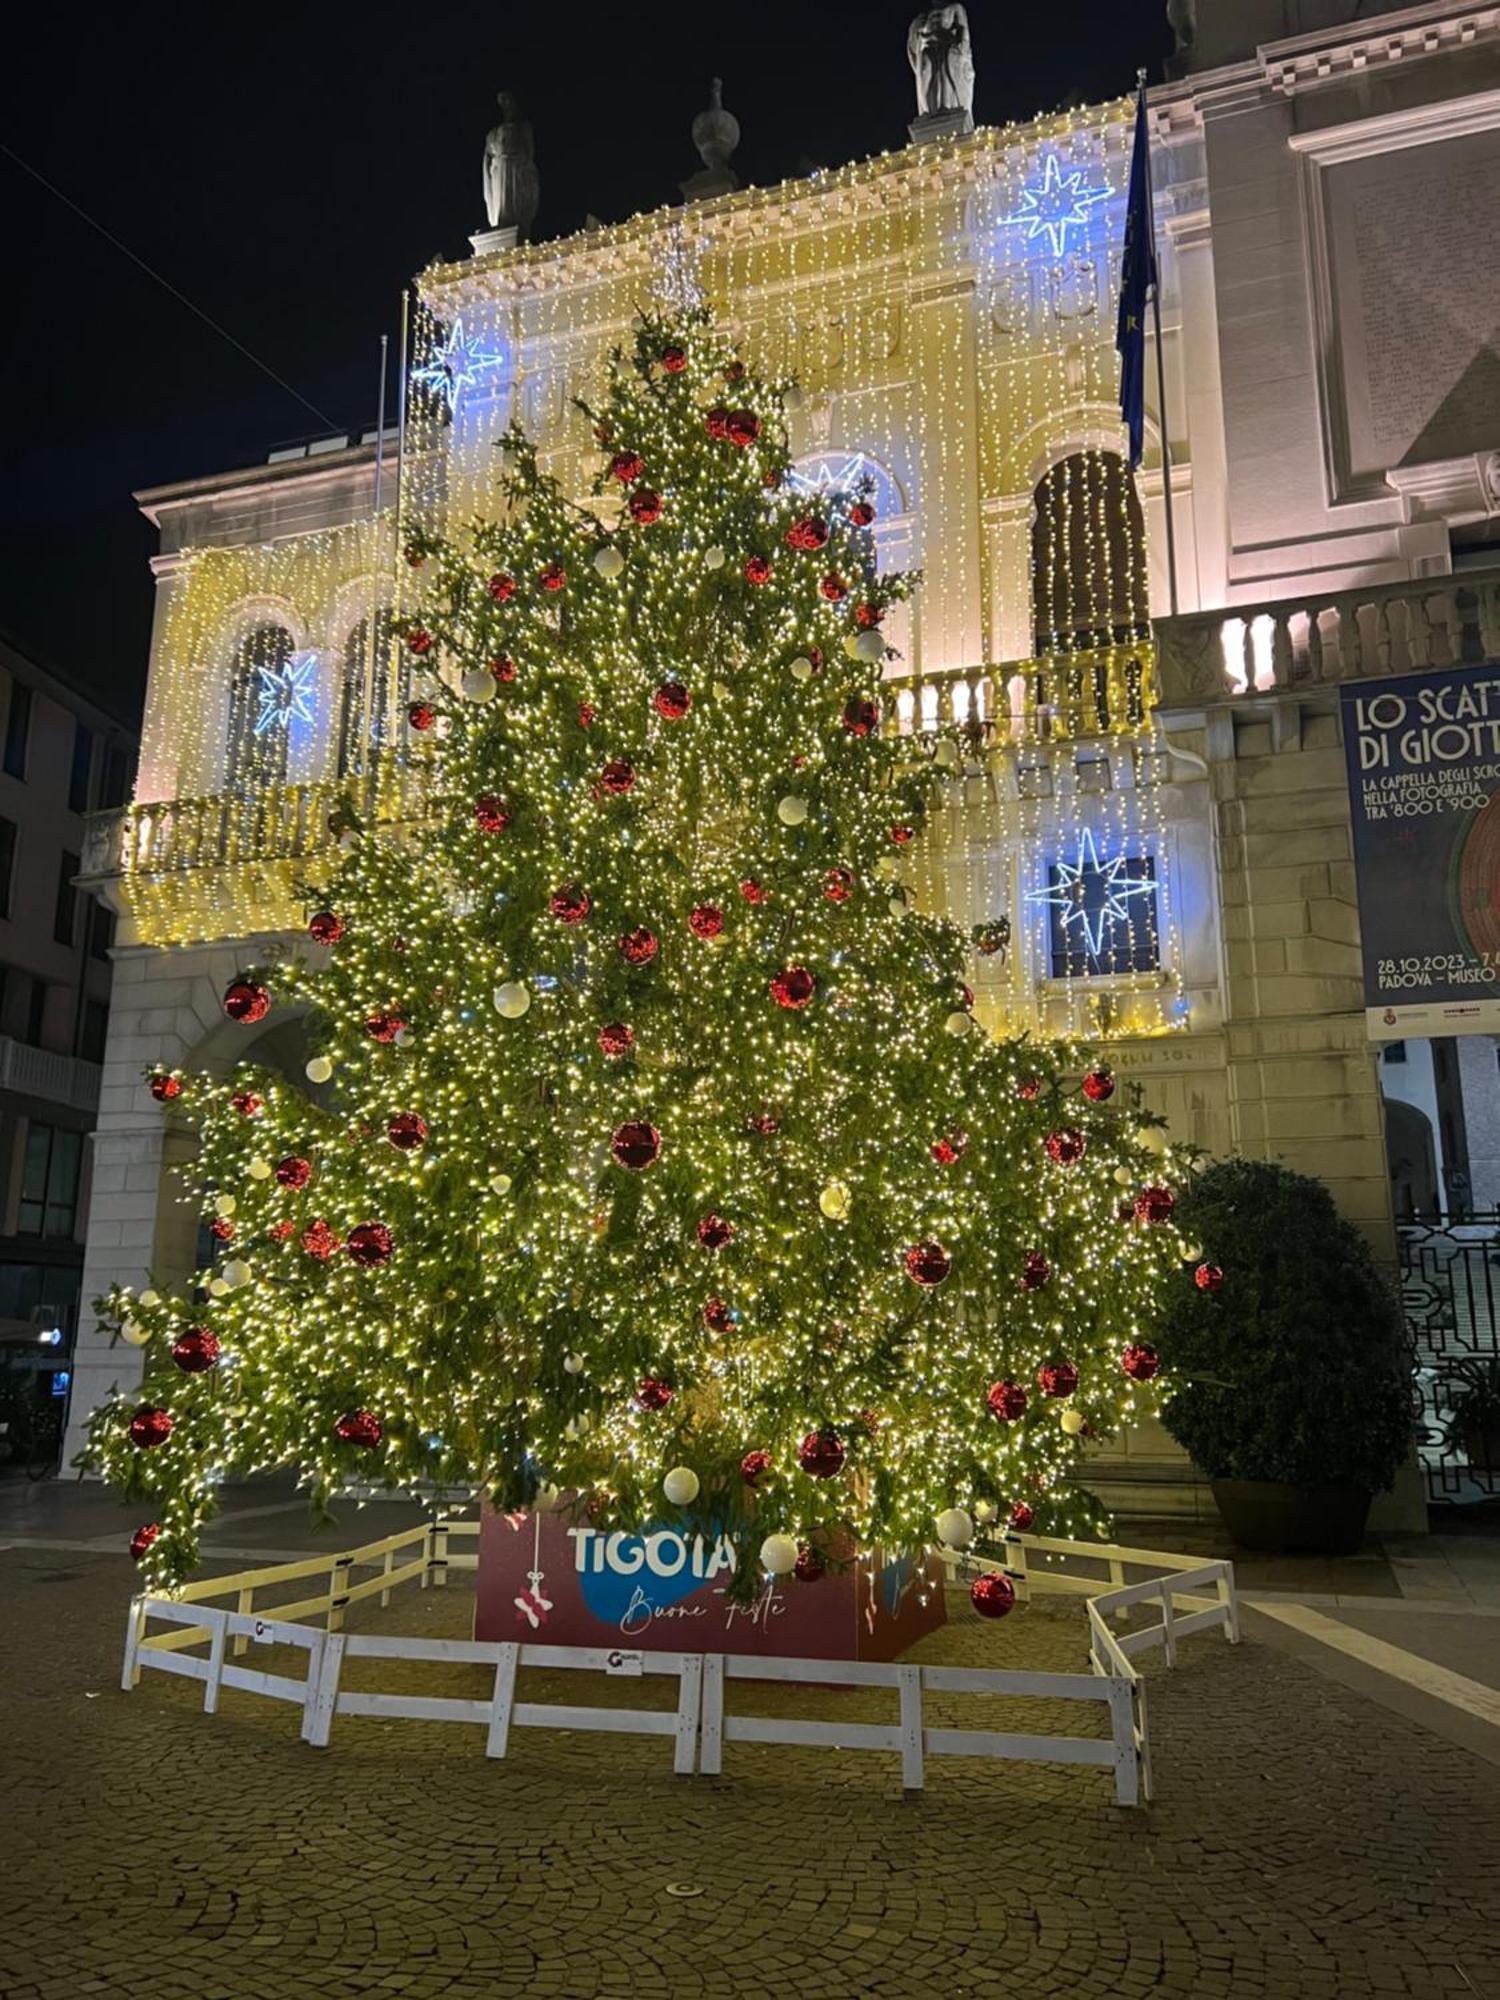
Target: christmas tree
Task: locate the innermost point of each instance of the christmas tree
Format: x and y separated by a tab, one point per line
653	1154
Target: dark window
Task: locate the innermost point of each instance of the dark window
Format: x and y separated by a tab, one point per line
377	691
36	1007
7	862
95	1028
65	917
101	930
1102	916
259	719
1395	1052
116	777
17	730
83	768
49	1182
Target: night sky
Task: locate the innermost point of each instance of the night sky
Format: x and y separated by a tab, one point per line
290	167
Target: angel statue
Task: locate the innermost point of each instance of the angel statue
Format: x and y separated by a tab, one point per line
942	59
511	187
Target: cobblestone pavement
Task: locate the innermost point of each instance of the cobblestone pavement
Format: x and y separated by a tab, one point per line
1304	1843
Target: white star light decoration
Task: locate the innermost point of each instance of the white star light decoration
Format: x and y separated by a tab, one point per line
1092	894
455	366
286	693
1056	203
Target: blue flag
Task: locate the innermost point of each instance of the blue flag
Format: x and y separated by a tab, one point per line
1137	279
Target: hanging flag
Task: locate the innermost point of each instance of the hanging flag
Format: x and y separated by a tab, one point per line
1137	278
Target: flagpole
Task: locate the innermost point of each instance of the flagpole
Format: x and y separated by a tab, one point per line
1161	371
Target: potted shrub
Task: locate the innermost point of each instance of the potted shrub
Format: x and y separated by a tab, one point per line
1292	1381
1473	1426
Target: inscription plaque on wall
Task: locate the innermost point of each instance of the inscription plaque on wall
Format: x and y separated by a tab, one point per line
1414	245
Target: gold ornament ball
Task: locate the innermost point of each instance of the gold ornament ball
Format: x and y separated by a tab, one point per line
802	668
1072	1422
608	562
959	1022
835	1201
714	558
792	811
478	685
150	1298
501	1183
946	755
512	1000
225	1204
134	1334
259	1170
573	1364
319	1069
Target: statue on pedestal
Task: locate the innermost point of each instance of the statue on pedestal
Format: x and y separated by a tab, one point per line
942	59
512	189
716	133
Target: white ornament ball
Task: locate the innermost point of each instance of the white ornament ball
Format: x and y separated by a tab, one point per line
348	840
217	1289
835	1201
319	1070
869	646
225	1204
714	558
791	396
802	668
608	561
721	691
236	1273
1190	1253
959	1022
1072	1421
851	647
681	1486
1125	1176
1153	1138
150	1298
955	1529
946	755
575	1427
985	1511
887	868
501	1183
259	1170
512	1000
573	1364
897	906
478	685
134	1333
792	810
778	1555
403	1038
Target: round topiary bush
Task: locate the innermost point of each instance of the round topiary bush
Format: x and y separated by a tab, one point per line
1295	1368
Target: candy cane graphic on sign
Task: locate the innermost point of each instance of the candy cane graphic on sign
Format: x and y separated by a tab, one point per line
531	1606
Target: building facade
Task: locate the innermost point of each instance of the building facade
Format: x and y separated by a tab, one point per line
1135	717
62	757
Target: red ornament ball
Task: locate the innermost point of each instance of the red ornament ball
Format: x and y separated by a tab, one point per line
421	715
821	1454
246	1001
361	1427
419	639
645	506
586	714
570	904
150	1426
947	1151
504	669
716	421
672	701
1140	1361
370	1243
553	577
196	1351
1098	1086
838	885
383	1027
165	1087
280	1231
1208	1278
638	947
833	587
1067	1147
407	1131
319	1241
1155	1204
636	1146
1029	1088
714	1232
627	467
742	427
1006	1400
902	836
810	532
326	927
142	1539
707	921
757	569
752	891
793	988
616	1039
248	1104
861	715
868	616
809	1565
765	1124
294	1172
221	1229
1021	1516
861	514
617	777
992	1595
754	1466
1057	1378
718	1315
491	815
928	1263
502	587
673	360
652	1393
1035	1272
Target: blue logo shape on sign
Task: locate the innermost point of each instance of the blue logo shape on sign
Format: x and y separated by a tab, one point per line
659	1568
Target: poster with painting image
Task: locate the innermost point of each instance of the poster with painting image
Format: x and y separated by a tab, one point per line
1423	755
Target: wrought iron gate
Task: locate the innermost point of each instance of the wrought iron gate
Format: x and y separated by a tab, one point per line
1450	1290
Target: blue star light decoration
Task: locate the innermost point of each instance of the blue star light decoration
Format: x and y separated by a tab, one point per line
455	366
1058	202
1093	895
286	693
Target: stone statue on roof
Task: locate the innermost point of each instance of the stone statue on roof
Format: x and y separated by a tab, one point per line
512	189
942	59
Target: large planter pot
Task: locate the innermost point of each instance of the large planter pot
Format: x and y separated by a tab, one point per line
1268	1515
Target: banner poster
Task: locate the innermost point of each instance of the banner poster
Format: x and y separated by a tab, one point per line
1423	757
554	1581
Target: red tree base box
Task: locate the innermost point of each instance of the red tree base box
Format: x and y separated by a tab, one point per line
548	1579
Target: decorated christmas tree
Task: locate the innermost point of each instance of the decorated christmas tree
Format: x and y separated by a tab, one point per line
652	1154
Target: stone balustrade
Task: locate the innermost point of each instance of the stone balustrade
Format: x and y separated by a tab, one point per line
1108	691
43	1073
1325	637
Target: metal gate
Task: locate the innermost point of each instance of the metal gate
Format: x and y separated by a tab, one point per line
1450	1291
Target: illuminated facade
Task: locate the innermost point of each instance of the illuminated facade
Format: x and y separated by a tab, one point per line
1147	813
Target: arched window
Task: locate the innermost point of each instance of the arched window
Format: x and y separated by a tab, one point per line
371	661
266	689
850	472
1090	589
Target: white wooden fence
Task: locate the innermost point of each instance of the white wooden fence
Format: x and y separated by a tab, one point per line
699	1726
